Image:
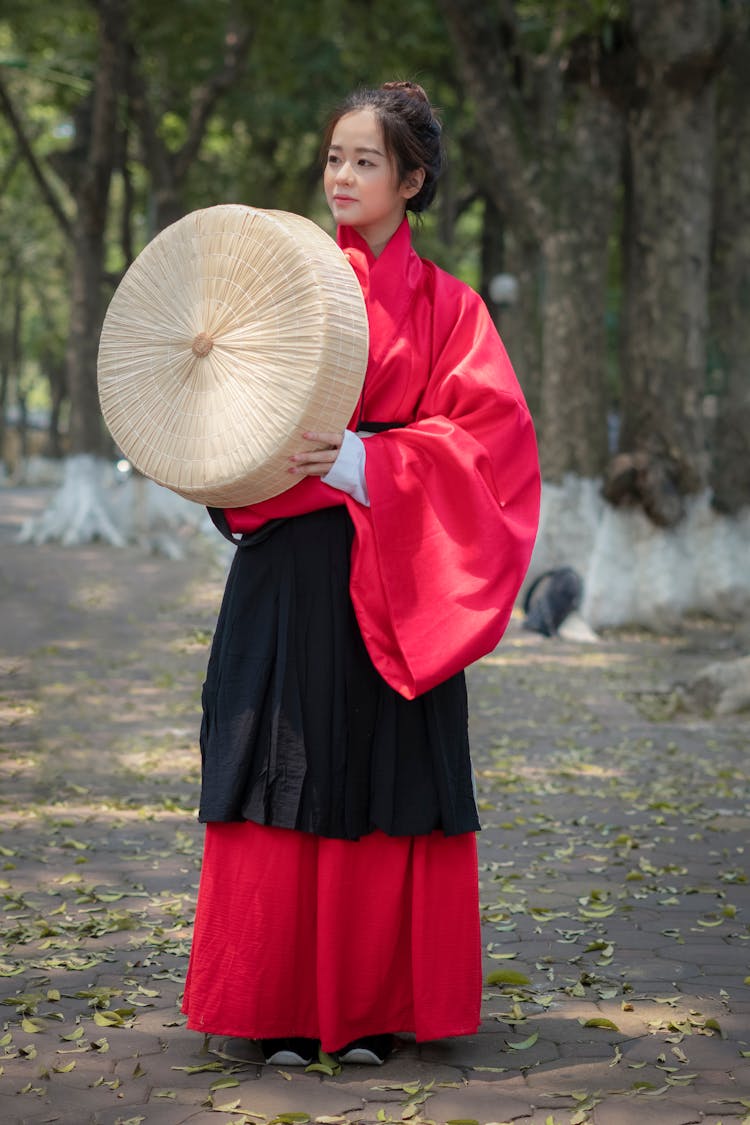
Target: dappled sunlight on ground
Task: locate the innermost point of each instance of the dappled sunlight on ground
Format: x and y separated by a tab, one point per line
614	880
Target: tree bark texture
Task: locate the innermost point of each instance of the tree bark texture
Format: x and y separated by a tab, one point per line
521	323
91	197
730	274
481	37
669	205
575	255
552	144
518	320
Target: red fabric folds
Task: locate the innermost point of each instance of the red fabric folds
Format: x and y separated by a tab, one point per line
334	939
440	554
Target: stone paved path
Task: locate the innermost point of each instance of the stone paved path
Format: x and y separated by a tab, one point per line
616	906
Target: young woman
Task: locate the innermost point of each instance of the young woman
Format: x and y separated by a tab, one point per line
338	902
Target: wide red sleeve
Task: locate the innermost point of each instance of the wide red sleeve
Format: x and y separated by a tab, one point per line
440	554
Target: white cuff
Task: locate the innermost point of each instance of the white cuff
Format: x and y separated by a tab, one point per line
347	473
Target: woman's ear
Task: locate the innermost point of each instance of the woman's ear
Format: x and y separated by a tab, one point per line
412	183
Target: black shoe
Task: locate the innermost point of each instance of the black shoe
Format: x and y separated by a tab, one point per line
289	1052
372	1050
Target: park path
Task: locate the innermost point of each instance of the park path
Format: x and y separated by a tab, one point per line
614	866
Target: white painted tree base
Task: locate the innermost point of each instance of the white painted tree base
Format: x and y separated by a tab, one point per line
95	503
633	573
79	512
637	574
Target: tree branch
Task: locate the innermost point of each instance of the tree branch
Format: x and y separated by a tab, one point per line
168	170
26	148
9	171
237	42
154	150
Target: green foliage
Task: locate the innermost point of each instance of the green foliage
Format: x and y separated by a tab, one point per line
260	144
261	141
559	22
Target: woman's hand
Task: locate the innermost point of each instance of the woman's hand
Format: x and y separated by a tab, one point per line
317	462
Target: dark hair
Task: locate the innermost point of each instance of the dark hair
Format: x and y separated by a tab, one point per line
412	133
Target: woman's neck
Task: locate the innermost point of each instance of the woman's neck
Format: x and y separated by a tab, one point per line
378	238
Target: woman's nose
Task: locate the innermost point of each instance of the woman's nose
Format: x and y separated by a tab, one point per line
344	173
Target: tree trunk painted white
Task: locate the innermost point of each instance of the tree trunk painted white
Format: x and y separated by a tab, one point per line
568	520
635	573
79	512
93	504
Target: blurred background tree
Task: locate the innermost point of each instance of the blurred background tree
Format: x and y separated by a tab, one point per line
596	176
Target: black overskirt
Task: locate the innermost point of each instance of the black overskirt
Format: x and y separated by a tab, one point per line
299	729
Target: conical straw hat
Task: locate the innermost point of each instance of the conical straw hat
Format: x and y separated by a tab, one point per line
232	332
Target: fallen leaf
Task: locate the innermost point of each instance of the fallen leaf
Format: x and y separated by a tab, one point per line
200	1068
524	1044
223	1084
507	976
599	1021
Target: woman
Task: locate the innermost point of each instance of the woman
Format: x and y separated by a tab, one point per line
338	902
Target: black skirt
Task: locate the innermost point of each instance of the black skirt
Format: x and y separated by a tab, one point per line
299	729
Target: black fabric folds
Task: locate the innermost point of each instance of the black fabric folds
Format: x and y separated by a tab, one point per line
299	729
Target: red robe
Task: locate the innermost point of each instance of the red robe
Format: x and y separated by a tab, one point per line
440	554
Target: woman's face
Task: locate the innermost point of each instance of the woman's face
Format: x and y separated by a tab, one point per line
361	180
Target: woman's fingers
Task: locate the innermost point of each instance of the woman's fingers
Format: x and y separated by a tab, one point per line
333	440
317	462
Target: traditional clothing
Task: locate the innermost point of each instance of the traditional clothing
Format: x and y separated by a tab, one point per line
334	704
441	552
297	935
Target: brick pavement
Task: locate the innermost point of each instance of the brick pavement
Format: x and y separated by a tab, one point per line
614	873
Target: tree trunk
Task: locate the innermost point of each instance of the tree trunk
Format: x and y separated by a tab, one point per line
92	197
521	323
15	365
668	199
573	418
552	148
86	312
56	377
491	252
4	383
6	365
730	275
514	304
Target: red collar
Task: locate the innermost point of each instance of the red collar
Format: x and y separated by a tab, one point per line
388	282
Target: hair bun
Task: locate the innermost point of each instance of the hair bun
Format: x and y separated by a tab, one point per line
411	89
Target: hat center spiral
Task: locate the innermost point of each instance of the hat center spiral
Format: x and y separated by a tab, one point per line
202	344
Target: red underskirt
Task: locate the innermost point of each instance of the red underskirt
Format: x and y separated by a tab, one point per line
297	935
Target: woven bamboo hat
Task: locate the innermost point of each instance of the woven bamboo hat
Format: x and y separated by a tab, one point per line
232	332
